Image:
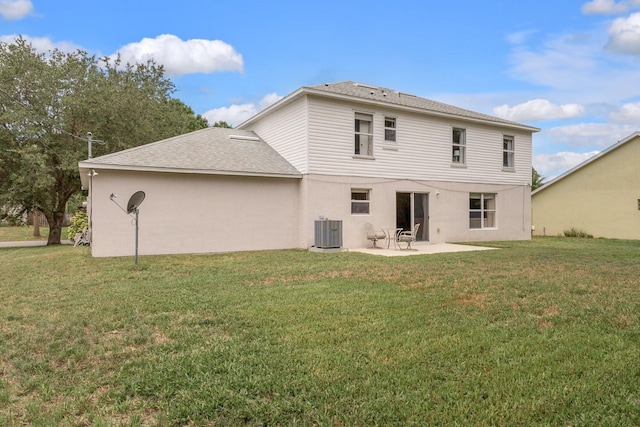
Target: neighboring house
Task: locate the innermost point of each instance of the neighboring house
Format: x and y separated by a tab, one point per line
344	151
601	196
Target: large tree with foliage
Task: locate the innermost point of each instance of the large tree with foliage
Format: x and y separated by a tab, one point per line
537	180
222	124
48	103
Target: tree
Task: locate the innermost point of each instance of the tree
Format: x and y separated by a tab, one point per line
536	179
222	124
48	103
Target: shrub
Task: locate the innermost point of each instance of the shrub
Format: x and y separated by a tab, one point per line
78	222
574	232
12	216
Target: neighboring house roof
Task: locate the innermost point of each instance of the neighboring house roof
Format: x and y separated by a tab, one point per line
586	162
372	94
212	150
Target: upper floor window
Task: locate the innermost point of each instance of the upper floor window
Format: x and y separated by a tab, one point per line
360	202
508	150
363	135
459	146
482	210
390	129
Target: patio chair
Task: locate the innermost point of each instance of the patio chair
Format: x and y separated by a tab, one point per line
408	237
374	235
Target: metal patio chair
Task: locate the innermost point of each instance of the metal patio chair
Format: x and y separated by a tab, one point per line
407	237
374	235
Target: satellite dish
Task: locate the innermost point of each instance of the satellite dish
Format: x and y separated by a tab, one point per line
134	201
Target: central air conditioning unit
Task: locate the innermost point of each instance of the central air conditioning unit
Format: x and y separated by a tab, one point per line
328	234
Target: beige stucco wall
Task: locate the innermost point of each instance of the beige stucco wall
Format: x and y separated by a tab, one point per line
189	213
600	198
330	197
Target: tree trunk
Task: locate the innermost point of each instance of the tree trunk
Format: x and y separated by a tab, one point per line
36	224
55	228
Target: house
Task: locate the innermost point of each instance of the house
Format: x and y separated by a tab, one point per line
346	152
600	196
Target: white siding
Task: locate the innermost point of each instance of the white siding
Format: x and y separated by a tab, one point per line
286	131
422	150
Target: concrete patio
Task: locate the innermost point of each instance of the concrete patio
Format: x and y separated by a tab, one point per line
421	248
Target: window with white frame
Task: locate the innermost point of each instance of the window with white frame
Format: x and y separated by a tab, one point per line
482	210
459	146
360	201
363	135
508	150
390	129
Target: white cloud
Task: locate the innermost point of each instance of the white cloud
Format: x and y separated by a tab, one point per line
538	109
604	7
234	114
268	99
42	44
591	134
552	165
13	10
574	66
624	35
628	113
238	113
567	62
183	57
520	37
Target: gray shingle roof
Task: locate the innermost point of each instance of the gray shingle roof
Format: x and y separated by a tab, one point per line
210	150
390	96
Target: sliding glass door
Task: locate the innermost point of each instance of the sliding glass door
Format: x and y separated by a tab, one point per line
411	209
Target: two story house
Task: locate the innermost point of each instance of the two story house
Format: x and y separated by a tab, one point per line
346	151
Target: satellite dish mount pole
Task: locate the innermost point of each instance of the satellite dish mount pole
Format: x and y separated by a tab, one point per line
132	206
137	211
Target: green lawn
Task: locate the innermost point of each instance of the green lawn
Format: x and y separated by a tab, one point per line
22	233
542	333
18	234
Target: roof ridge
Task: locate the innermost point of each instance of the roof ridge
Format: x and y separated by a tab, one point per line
408	100
171	139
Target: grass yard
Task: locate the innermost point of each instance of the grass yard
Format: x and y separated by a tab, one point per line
25	232
539	333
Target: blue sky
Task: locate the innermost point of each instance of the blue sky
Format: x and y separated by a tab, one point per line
569	67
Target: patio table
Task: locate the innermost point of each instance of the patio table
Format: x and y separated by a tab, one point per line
392	233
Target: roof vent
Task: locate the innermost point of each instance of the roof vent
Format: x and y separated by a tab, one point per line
365	86
244	137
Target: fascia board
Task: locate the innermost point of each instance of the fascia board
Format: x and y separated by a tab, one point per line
85	166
